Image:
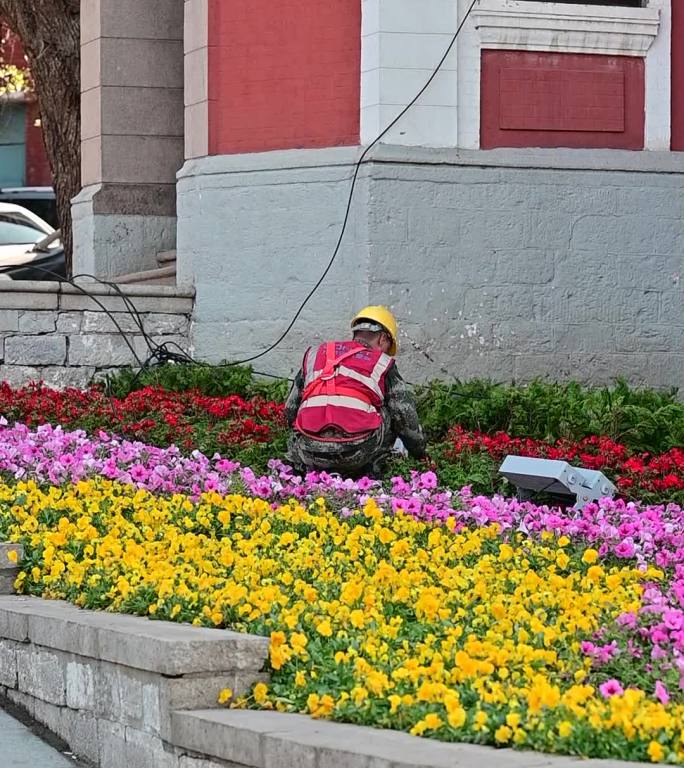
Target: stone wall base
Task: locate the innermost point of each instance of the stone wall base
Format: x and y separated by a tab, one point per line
55	333
508	264
119	229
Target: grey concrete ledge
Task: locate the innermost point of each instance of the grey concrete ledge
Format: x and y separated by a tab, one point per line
542	159
275	740
94	288
154	646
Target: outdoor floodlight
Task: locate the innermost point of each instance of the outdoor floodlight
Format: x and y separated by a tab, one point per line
557	478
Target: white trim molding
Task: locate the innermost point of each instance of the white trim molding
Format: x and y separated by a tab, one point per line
402	40
566	28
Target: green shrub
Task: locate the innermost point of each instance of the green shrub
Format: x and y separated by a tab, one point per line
642	419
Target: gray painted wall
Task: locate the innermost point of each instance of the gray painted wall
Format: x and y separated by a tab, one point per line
507	264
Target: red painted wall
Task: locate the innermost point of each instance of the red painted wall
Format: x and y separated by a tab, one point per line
561	100
11	47
38	173
678	75
283	74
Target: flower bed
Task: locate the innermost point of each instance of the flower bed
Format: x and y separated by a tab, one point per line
558	639
650	477
153	415
252	431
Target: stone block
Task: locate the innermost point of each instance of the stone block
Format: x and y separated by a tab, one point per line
142	159
213	733
107	692
672	307
101	322
165	304
278	751
51	626
536	366
9	320
22	300
22	700
7	547
524	336
186	761
153	63
100	351
41	674
152	709
586	337
7	578
530	266
69	322
153	20
135	750
37	322
35	350
131	697
61	378
19	375
13	623
80	731
143	111
8	663
158	324
51	716
201	692
173	649
80	685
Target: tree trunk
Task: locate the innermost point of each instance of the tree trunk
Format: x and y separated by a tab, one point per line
49	30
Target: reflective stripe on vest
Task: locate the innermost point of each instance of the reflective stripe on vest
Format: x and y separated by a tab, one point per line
367	381
309	373
372	381
340	401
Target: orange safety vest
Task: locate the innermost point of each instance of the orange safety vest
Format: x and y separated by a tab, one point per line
344	389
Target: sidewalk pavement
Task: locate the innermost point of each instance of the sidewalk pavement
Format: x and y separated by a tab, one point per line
21	748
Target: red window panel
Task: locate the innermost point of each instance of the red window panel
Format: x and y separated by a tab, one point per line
561	100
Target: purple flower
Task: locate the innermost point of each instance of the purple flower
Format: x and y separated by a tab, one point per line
611	688
625	549
661	693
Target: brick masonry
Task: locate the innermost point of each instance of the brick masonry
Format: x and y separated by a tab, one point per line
66	339
544	269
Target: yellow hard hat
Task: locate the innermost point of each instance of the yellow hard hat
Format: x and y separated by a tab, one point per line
377	316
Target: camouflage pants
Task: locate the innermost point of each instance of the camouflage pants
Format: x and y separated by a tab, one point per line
352	459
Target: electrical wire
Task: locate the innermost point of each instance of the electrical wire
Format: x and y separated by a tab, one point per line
355	176
160	352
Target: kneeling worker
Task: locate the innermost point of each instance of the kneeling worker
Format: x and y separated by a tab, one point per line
349	404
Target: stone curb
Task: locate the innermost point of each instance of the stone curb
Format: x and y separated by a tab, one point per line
154	646
275	740
9	570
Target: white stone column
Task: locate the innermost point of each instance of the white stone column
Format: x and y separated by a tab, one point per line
402	43
658	81
132	134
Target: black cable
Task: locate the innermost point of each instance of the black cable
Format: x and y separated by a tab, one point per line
351	193
159	351
71	282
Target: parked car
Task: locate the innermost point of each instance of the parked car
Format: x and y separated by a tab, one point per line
40	200
30	249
